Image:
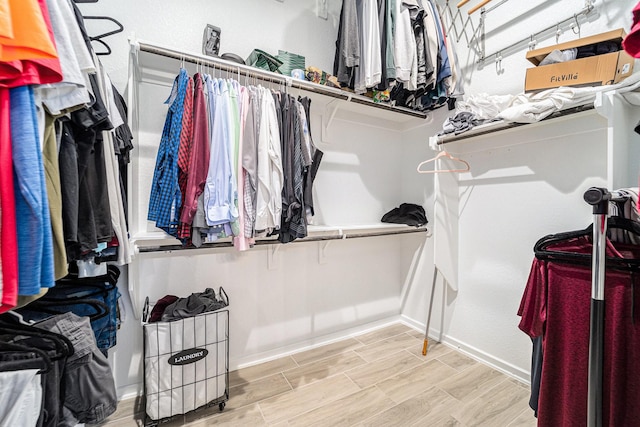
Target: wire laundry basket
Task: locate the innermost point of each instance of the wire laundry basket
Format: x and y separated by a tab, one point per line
186	364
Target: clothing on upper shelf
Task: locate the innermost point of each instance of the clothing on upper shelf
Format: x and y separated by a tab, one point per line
63	145
397	45
462	122
246	167
536	106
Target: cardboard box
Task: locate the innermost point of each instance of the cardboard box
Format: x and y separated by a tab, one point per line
595	70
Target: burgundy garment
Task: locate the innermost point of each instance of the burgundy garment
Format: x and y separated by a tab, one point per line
556	305
160	306
199	161
631	43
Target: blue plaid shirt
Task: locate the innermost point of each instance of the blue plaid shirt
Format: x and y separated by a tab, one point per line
165	198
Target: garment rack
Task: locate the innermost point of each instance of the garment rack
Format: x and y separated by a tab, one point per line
599	198
341	236
247	71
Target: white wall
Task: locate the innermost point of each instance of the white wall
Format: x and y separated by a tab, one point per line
245	25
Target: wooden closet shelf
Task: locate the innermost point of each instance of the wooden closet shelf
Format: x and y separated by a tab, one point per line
268	76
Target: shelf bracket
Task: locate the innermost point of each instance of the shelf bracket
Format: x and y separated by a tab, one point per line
327	118
272	256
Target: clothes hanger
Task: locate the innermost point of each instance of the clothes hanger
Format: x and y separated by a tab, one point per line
99	37
44	306
441	154
543	251
15	365
9	327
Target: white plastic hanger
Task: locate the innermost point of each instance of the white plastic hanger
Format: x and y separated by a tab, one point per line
444	153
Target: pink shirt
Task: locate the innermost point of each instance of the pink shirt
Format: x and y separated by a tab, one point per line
8	233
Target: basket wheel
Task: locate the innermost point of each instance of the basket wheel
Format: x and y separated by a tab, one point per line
221	406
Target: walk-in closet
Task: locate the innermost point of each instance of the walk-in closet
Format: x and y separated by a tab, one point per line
319	212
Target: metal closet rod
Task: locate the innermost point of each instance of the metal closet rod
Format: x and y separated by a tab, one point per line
276	242
585	11
232	67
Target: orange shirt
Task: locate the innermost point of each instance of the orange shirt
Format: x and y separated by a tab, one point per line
31	71
25	34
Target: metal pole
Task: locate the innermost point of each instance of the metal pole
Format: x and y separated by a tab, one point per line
599	198
425	345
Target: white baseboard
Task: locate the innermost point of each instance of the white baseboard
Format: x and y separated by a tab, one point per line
130	391
509	369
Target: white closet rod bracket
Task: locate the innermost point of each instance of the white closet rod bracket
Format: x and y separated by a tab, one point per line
327	118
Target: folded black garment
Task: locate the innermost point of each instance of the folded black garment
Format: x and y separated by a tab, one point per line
406	213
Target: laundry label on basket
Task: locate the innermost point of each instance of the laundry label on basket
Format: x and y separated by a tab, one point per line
188	356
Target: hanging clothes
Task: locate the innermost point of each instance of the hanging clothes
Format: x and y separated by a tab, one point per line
165	193
402	55
219	205
270	174
250	160
54	197
369	72
184	152
347	44
8	233
35	250
242	241
556	307
313	162
24	33
198	162
250	165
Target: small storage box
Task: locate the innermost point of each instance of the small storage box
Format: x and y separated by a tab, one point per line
186	365
596	70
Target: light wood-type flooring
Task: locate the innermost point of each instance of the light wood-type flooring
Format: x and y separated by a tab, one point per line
375	379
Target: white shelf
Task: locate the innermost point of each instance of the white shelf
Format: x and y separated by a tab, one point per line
160	241
153	56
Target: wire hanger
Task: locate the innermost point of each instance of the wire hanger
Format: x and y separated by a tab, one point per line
441	154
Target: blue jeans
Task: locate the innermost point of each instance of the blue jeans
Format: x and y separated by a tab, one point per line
96	298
